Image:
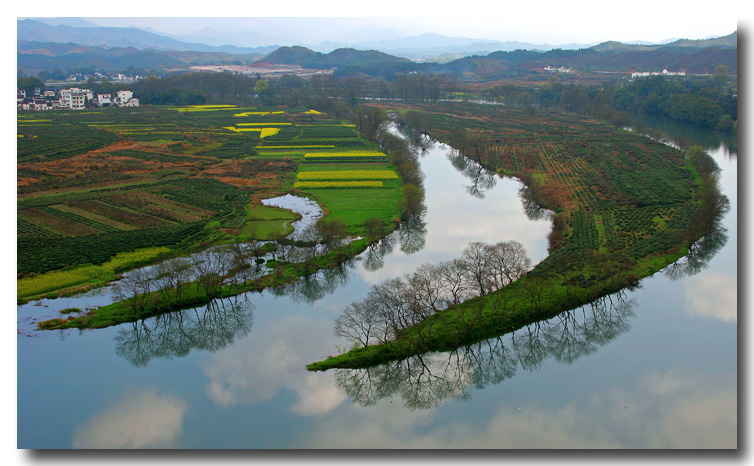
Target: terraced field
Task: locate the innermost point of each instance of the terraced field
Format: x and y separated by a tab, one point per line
612	192
95	184
624	207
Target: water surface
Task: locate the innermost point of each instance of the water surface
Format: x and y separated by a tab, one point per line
654	368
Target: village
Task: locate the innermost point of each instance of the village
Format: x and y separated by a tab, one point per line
73	98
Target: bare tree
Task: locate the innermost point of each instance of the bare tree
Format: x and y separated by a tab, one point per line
332	233
135	288
508	262
171	276
452	277
426	291
476	264
211	270
390	299
359	321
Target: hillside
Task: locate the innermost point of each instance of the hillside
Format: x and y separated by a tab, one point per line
34	56
606	57
336	59
109	37
43	46
729	41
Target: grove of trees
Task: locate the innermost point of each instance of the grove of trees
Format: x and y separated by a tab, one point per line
399	303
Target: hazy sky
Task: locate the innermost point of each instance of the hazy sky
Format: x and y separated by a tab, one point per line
538	29
537	21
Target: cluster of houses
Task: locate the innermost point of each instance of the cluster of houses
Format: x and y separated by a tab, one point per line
117	77
639	74
73	98
561	69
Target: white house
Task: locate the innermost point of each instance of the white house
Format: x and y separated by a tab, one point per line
73	98
104	100
123	97
561	69
665	72
131	103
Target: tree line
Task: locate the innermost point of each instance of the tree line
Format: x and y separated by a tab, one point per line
707	103
226	270
400	303
425	381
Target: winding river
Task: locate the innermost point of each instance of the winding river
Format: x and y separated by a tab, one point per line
653	367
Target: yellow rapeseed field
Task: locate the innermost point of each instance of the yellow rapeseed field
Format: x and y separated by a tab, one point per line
314	155
338	184
296	147
259	113
271	123
348	175
268	132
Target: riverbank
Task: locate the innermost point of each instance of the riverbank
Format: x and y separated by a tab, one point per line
625	208
191	294
515	306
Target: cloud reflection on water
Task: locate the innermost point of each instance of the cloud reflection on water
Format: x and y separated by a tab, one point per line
664	410
273	359
713	295
145	419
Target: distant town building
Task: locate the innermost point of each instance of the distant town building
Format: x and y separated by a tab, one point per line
133	102
104	100
665	72
561	69
123	96
72	98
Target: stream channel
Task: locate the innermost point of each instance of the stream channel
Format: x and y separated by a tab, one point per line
655	367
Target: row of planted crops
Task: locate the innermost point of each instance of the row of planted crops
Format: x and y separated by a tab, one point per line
623	207
95	184
613	193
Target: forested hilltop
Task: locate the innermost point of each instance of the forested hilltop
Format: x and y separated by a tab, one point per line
42	52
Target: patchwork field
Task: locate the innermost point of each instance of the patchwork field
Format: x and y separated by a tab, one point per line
623	207
95	184
613	192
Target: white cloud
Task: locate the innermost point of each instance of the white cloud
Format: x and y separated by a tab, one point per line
663	410
272	359
141	420
713	295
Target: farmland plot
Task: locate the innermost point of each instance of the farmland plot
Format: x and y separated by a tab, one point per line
93	185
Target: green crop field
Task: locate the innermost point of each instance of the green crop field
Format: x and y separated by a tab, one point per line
623	207
354	206
97	184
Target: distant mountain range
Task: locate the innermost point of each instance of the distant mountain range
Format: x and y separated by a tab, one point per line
76	43
38	31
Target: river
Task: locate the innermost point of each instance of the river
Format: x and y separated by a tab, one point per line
655	367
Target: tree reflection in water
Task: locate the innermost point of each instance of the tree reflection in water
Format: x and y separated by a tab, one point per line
412	235
425	381
317	285
482	179
532	209
175	334
374	256
700	253
420	141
